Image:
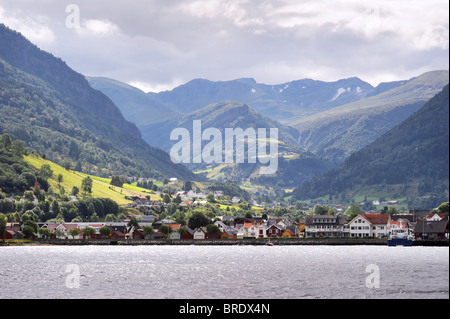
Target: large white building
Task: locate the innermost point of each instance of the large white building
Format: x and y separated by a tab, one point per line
370	225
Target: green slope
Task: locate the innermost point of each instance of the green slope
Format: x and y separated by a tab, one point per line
101	187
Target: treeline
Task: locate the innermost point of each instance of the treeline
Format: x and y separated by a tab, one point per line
16	176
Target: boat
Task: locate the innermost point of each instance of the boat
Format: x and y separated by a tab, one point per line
400	238
269	243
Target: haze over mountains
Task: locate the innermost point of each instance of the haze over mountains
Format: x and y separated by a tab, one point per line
333	119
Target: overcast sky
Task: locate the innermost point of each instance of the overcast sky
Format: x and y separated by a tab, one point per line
159	44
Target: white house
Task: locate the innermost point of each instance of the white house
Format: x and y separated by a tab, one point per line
242	232
253	231
370	225
199	233
262	231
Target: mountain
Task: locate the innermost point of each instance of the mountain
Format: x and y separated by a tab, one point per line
57	113
336	133
281	102
139	107
409	160
295	164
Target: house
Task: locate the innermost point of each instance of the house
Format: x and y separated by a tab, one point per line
175	235
400	225
117	235
213	236
137	233
146	220
288	234
13	226
370	225
253	231
189	234
242	232
221	225
432	230
12	234
62	230
229	233
157	235
436	216
235	200
200	233
301	227
262	231
274	231
325	226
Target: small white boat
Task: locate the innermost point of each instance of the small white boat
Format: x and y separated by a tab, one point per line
400	238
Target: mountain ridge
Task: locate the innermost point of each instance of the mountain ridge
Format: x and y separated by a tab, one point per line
409	160
56	112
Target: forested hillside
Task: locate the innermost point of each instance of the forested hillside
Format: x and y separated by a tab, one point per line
56	113
412	159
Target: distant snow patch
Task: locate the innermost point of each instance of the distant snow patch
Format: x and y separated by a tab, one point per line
338	93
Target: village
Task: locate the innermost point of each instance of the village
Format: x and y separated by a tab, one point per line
421	225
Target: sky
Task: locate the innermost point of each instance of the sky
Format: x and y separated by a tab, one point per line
157	45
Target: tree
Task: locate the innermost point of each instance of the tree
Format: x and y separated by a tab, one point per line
3	221
117	181
177	200
105	231
353	211
86	185
18	148
443	208
165	229
44	232
182	230
198	220
28	195
74	232
5	141
210	198
60	178
166	198
212	229
46	171
133	222
88	232
111	218
28	231
148	230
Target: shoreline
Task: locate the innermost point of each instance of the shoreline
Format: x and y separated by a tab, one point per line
229	242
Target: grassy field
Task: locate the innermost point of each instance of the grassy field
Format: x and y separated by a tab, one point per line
101	187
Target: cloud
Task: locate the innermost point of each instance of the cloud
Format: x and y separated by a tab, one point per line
94	27
33	28
158	43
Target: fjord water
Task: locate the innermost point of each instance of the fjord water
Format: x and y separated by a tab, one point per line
230	272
